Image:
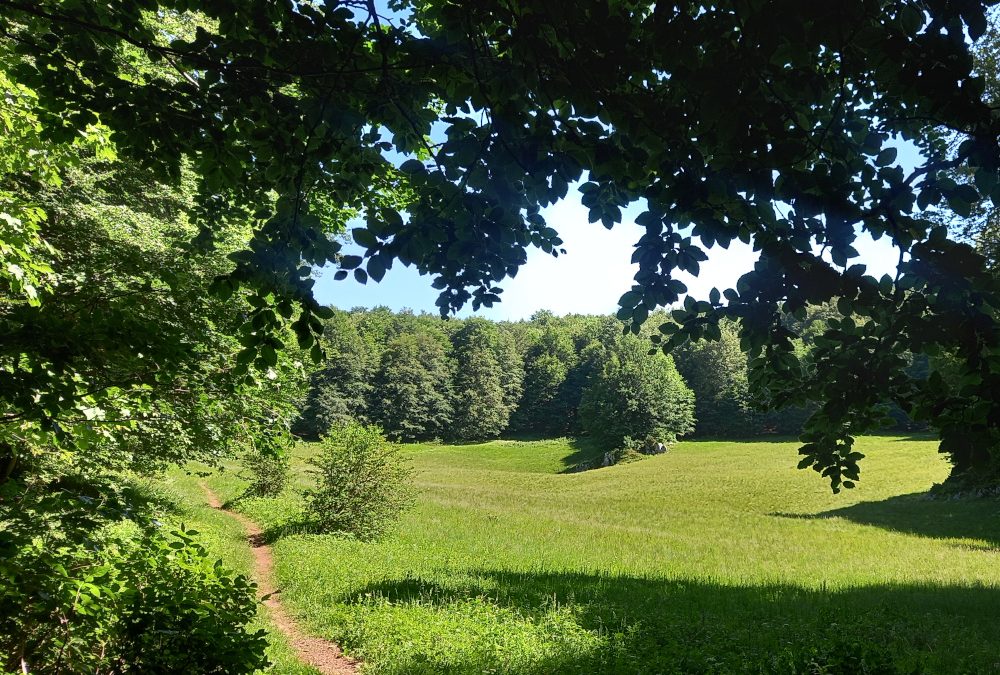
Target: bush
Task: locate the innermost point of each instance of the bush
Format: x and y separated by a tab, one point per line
182	614
84	587
268	473
363	485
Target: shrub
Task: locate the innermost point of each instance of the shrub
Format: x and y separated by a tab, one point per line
89	583
363	485
183	614
268	472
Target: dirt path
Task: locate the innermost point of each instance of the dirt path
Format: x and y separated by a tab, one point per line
322	655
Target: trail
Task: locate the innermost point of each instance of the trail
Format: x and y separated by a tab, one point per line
323	655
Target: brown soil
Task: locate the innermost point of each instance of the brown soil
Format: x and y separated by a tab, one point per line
323	655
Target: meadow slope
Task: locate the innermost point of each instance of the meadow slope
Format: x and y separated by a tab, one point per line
716	557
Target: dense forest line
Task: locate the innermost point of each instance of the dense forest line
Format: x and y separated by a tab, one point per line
421	377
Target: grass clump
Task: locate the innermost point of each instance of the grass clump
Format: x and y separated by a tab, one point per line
362	483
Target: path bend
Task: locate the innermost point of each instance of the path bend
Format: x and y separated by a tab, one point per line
323	655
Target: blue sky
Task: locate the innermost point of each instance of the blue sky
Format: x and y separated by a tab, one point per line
589	279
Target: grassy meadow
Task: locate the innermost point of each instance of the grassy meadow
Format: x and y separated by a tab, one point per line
717	557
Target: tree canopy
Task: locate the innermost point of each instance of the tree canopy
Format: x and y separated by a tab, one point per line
636	396
449	126
114	360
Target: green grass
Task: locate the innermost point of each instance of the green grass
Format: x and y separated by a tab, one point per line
717	557
225	539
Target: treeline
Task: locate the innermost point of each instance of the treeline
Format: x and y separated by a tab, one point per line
420	378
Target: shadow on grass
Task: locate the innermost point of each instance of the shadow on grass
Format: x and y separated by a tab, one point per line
639	625
585	452
908	436
298	526
916	514
753	438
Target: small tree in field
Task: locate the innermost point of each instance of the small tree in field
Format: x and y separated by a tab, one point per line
362	486
268	472
636	395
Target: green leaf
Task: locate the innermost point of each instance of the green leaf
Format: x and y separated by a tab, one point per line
886	157
630	299
349	262
364	237
376	268
412	166
959	205
269	355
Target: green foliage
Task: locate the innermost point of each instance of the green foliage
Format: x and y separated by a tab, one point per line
478	395
802	166
92	583
561	358
124	361
362	483
981	226
268	472
341	388
548	405
413	398
113	359
27	257
488	380
636	395
716	371
186	613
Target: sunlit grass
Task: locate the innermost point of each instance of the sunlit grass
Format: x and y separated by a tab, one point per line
717	557
225	539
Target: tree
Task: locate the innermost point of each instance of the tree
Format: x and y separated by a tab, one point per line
363	485
314	104
511	364
479	407
488	380
548	406
123	361
981	227
114	360
636	395
412	397
716	372
340	388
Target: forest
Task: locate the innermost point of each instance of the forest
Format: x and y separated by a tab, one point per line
421	378
206	467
